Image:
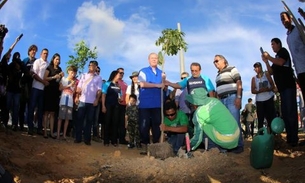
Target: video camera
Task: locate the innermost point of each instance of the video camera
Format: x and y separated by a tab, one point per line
3	31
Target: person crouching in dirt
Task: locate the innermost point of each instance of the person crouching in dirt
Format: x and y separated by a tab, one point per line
212	120
175	125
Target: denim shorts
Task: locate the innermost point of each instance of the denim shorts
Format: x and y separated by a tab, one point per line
65	112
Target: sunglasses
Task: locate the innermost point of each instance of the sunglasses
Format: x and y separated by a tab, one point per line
97	71
216	61
171	115
182	78
121	73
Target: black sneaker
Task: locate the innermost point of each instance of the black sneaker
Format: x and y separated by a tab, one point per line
124	142
302	143
77	141
39	132
237	150
88	143
14	128
130	145
138	145
96	139
30	132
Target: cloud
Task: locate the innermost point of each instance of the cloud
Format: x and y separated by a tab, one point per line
12	14
118	41
98	26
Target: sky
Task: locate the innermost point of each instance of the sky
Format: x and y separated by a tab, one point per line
125	31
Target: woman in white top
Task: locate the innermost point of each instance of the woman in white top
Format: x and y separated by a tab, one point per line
263	86
133	88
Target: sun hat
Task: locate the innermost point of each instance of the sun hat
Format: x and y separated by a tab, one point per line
135	73
197	96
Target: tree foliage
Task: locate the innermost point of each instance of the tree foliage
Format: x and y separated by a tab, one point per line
172	41
83	54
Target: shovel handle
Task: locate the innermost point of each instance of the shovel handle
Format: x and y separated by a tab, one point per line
187	142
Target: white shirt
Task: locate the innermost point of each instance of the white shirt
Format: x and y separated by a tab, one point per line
66	97
39	68
262	82
136	92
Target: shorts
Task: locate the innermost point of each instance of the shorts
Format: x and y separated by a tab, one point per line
65	112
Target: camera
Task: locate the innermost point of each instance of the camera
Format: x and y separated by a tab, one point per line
3	31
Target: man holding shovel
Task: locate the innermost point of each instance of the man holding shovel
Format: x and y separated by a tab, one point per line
175	124
212	120
150	79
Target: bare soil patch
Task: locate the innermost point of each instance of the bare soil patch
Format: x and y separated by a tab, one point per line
34	159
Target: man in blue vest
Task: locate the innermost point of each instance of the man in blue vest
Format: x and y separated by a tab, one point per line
150	79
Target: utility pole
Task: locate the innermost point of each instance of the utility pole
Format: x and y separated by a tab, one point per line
181	54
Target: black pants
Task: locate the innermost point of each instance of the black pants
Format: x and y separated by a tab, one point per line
121	125
265	109
111	124
249	128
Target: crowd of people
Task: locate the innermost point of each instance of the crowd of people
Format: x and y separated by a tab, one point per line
38	93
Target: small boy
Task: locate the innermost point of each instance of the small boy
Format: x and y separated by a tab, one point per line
67	86
131	122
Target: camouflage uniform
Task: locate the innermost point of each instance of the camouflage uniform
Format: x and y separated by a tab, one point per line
133	125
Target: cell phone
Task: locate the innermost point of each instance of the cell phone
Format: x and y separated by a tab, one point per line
20	36
261	49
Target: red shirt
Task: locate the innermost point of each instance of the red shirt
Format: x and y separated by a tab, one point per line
123	87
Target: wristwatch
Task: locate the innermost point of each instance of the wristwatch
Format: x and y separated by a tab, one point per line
238	96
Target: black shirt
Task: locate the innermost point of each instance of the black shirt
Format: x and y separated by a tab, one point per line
283	75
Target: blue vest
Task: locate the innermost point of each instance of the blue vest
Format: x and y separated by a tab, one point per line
151	97
193	83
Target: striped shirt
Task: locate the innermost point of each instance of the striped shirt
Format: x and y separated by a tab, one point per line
226	81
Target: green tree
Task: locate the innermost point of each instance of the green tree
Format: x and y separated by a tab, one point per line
171	42
83	54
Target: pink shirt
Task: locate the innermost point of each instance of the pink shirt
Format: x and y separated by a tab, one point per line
89	85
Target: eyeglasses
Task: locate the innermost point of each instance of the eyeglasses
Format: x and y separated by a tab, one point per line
216	61
121	73
171	115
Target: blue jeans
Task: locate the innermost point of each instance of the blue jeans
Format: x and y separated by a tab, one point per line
36	99
176	140
290	114
229	103
13	100
211	144
149	118
86	114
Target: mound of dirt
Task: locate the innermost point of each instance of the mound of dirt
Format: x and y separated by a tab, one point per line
34	159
